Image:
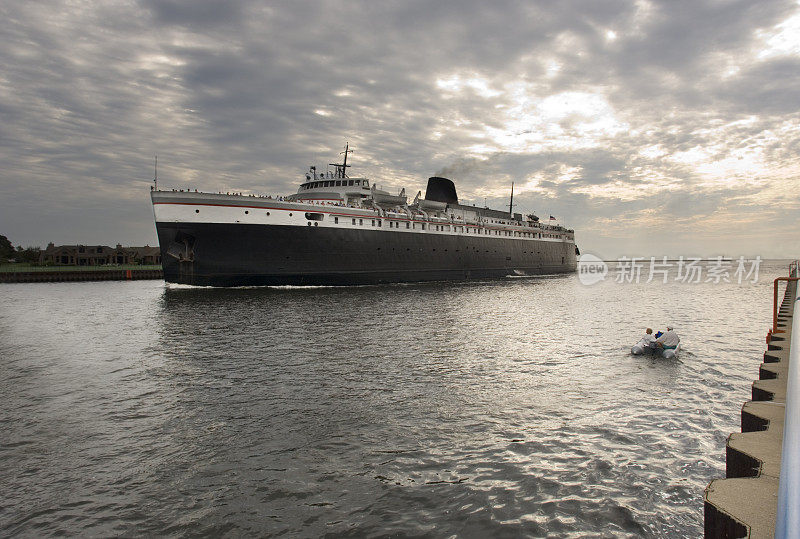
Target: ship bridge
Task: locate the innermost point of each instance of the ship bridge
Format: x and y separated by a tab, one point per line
329	188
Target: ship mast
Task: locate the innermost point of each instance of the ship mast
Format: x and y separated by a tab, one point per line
511	203
341	169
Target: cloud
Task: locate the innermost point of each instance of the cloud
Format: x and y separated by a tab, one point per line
635	119
196	14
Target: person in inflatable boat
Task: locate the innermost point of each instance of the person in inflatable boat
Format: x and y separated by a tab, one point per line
668	340
648	338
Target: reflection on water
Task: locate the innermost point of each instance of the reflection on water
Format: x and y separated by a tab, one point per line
504	408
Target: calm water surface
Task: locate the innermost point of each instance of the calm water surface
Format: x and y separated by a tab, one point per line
505	408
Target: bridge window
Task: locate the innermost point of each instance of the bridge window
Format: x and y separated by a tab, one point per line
358	182
338	183
350	182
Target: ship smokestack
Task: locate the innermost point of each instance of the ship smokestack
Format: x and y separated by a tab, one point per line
441	190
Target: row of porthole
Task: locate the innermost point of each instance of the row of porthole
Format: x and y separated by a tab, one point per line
246	212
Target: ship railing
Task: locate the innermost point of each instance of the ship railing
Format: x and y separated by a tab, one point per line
787	523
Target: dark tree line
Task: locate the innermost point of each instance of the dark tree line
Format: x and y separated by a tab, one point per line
6	249
20	254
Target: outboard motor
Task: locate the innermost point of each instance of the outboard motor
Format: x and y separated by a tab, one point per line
441	190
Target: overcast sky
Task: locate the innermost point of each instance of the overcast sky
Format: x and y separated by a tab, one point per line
663	128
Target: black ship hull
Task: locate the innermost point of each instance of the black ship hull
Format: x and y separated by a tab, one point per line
215	254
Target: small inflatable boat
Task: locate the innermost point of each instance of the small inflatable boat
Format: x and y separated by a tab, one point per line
643	347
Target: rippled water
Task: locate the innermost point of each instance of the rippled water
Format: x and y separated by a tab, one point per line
501	408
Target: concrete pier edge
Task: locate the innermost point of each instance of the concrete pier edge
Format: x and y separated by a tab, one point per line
78	275
744	504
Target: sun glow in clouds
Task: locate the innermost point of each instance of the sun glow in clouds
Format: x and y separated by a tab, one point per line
532	122
783	39
741	165
569	120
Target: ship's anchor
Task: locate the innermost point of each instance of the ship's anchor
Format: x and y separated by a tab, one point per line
181	248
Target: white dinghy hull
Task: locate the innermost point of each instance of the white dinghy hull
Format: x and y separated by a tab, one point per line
644	348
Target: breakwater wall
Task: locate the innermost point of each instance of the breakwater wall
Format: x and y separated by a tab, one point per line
78	275
745	503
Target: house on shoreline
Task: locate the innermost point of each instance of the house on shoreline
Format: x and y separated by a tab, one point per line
98	255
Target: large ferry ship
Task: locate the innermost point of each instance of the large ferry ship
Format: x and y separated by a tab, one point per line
342	230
